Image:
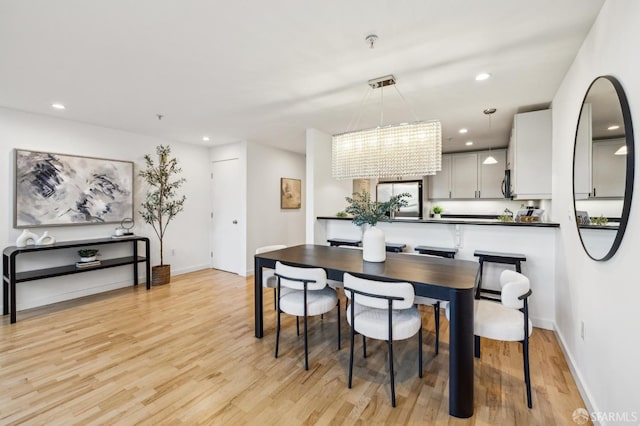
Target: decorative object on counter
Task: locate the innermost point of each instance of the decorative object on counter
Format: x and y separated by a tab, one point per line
341	214
88	255
367	211
529	215
27	237
290	193
582	218
58	189
406	149
45	239
437	212
124	230
162	203
599	221
507	216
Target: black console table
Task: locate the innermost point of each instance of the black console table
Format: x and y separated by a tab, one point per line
11	277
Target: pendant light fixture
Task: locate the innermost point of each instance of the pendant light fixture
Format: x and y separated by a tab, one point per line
490	159
406	149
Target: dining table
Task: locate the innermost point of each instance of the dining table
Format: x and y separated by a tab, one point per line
452	280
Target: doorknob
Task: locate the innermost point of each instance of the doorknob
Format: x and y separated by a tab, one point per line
235	222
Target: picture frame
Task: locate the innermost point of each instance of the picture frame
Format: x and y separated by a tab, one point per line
52	189
290	193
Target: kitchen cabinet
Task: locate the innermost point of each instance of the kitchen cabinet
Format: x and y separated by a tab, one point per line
530	155
463	176
582	156
608	168
440	184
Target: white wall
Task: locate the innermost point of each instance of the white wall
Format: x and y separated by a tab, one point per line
325	195
184	237
603	295
267	223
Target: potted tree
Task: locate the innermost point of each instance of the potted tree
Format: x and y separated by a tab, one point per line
366	211
162	203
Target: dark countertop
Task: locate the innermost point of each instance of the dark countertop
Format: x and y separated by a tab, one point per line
459	221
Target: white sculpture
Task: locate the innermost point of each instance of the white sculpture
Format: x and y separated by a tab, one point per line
27	237
45	240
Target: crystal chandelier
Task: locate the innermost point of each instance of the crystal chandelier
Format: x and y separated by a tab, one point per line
408	149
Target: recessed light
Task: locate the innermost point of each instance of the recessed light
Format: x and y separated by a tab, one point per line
469	143
462	131
614	127
206	138
57	105
483	76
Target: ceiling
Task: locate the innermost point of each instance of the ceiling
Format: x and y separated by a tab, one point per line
264	71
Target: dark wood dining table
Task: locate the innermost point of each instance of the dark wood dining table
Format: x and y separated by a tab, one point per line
446	279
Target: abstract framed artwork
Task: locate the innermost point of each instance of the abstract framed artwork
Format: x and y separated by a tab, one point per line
61	190
290	193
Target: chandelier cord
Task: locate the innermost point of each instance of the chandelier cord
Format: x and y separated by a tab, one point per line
415	116
353	123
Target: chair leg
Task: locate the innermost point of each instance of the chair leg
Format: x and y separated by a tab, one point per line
476	346
339	325
391	378
527	378
274	299
364	346
420	351
297	327
436	309
278	333
306	340
353	333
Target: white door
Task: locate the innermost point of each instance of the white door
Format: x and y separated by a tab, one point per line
225	215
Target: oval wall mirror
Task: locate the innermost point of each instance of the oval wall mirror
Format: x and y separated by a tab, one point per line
603	168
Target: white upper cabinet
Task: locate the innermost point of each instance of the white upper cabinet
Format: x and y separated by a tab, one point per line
582	157
440	183
463	176
609	168
530	155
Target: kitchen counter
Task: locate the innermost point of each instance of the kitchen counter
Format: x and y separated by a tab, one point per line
475	220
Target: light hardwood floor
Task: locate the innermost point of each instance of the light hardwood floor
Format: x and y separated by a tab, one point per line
185	353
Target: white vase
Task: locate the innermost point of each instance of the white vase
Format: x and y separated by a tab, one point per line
437	216
45	240
373	245
27	237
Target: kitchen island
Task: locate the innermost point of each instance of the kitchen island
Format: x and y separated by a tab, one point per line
535	240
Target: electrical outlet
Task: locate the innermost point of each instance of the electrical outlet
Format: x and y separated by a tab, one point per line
582	330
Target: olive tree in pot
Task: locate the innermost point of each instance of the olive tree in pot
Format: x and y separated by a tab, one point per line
162	203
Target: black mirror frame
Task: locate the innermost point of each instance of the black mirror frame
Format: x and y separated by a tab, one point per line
630	172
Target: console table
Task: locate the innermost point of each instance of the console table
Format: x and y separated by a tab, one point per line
10	277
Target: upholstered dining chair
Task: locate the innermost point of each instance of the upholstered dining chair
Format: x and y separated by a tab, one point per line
307	295
383	311
507	319
268	275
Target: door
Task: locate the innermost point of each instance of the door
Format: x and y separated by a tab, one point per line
225	214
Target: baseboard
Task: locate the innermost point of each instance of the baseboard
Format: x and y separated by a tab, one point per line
575	372
543	323
188	269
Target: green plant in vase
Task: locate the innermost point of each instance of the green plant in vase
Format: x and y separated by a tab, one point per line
437	211
162	203
367	211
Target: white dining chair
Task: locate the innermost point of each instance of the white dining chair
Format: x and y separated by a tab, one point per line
383	311
268	275
307	295
507	319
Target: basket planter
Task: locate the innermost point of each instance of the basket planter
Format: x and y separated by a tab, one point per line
160	274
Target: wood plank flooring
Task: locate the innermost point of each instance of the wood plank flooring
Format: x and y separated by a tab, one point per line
185	353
